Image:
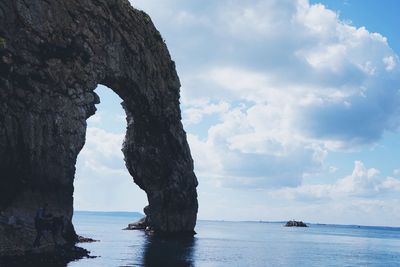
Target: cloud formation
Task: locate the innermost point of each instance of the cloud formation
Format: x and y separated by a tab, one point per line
286	83
361	183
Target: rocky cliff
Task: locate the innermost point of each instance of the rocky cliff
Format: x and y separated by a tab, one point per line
53	54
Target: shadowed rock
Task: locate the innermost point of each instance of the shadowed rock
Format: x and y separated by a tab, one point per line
53	54
139	225
294	223
82	239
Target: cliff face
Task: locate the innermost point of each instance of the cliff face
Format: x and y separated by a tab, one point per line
53	54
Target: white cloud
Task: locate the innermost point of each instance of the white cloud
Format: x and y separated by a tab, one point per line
288	81
102	181
390	63
363	182
101	142
195	113
96	118
210	162
333	169
237	154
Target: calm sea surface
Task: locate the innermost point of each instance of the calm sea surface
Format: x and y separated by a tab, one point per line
220	243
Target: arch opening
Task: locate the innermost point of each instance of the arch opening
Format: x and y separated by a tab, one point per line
102	181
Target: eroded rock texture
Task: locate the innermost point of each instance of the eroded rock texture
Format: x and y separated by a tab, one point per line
53	54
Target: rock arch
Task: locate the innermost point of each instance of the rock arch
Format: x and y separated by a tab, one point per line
53	54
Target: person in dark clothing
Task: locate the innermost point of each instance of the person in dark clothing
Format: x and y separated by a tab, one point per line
56	226
41	223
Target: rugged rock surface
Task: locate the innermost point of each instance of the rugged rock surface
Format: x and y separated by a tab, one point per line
294	223
82	239
139	225
53	54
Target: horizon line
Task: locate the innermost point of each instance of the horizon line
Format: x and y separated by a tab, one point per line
251	221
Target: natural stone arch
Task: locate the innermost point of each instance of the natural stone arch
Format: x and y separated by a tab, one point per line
53	56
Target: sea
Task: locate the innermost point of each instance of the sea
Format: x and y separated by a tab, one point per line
225	243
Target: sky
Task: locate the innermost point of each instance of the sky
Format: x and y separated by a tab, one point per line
291	108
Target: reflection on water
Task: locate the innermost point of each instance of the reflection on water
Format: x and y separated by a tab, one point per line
169	251
155	252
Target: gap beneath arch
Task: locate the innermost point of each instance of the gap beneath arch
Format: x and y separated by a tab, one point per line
102	182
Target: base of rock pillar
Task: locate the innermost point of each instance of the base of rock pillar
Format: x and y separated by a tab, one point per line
142	224
138	225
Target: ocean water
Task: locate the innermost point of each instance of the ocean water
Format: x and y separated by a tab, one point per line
221	243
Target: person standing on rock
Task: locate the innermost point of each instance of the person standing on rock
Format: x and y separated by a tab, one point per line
56	226
40	223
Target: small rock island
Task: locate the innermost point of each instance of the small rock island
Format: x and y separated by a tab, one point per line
294	223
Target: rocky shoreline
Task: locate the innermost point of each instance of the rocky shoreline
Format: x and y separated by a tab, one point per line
61	256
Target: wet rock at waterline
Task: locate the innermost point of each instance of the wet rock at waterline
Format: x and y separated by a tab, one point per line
294	223
53	54
139	225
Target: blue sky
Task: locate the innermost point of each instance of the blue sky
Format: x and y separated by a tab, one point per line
292	110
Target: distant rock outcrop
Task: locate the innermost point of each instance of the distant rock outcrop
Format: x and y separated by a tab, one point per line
82	239
295	224
53	54
139	225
